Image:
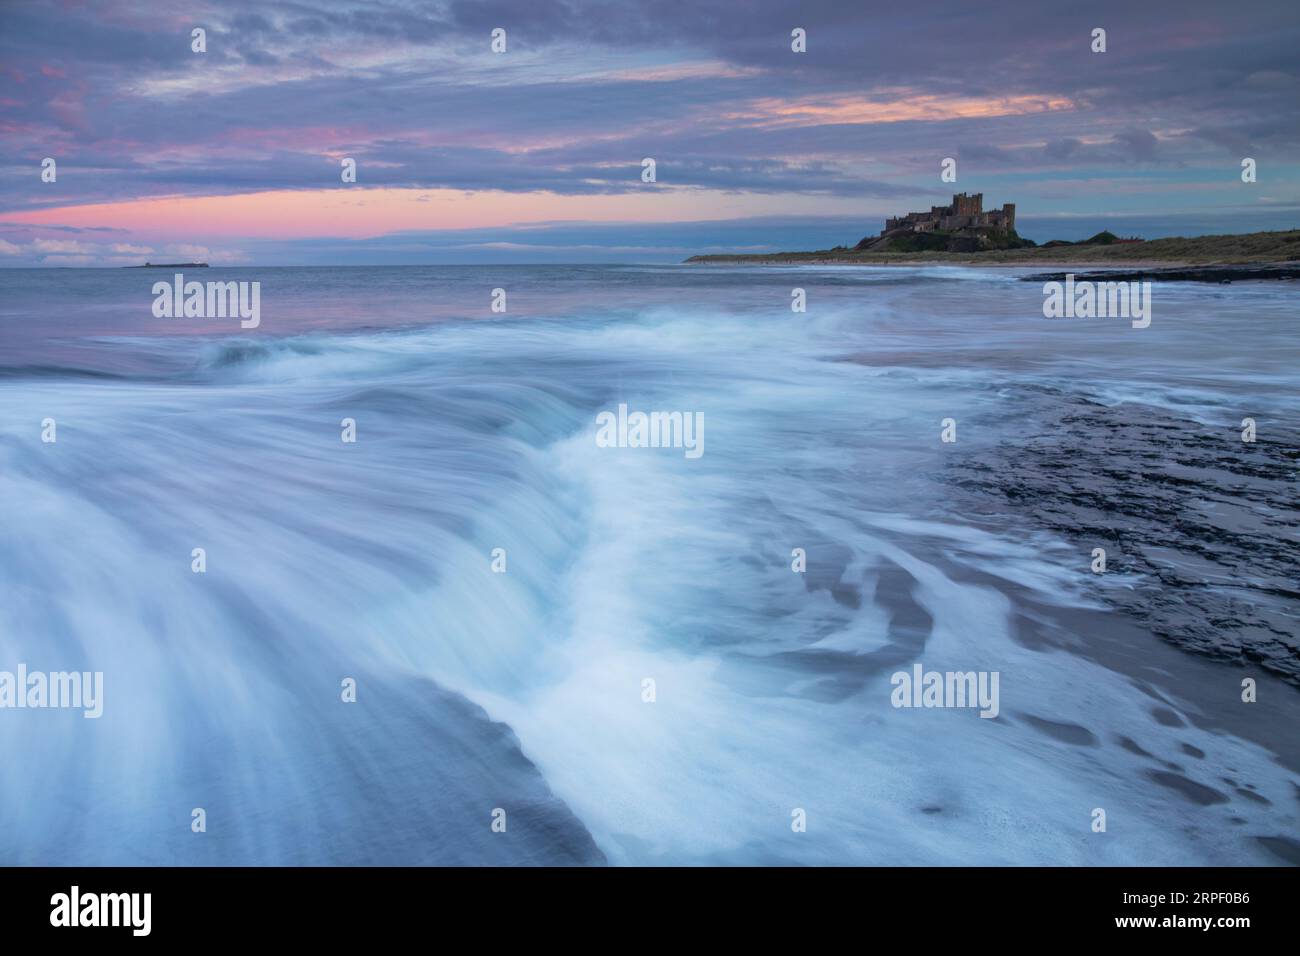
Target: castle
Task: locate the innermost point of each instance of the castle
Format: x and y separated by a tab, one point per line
966	214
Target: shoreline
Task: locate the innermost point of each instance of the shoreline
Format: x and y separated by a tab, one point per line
1166	270
796	259
966	263
1275	250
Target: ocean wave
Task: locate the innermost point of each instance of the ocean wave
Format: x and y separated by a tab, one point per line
524	690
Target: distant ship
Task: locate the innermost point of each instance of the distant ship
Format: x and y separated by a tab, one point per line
170	265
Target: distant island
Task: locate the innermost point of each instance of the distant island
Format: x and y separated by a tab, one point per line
964	233
170	265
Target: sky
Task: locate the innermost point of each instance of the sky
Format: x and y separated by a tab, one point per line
234	155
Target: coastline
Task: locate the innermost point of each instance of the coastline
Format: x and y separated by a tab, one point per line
1276	249
1167	270
965	262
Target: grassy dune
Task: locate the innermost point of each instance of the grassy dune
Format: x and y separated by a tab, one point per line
1201	250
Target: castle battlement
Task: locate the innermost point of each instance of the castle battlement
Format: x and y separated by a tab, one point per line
964	214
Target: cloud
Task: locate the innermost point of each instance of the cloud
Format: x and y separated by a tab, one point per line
61	246
1140	144
43	250
710	89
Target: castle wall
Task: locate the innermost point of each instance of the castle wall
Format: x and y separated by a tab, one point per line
966	212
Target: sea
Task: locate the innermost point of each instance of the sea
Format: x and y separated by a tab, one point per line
478	635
